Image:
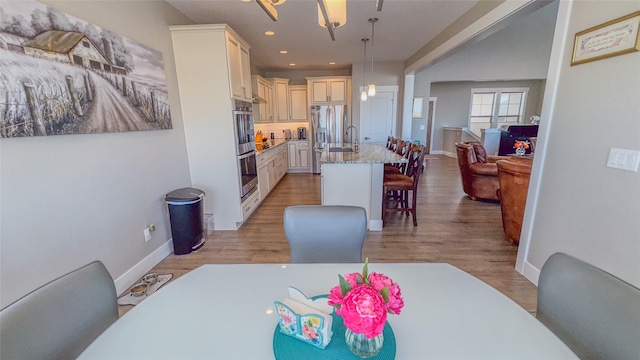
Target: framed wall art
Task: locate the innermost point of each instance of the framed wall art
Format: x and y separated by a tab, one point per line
418	104
61	75
613	38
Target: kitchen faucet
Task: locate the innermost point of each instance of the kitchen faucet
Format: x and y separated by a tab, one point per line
355	129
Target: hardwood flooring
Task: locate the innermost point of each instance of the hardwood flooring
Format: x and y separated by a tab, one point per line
451	229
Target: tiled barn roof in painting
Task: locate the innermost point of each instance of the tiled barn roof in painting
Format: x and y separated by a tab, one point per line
55	40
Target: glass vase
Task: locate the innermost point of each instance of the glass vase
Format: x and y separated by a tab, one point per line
520	150
361	345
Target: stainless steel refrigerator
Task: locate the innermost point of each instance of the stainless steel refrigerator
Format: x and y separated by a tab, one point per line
329	126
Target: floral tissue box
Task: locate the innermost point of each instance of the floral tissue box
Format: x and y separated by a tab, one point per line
305	319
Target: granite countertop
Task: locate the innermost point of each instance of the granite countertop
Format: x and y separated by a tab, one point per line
367	154
273	143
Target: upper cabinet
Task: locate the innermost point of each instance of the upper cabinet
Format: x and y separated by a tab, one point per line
264	89
281	99
298	109
239	68
329	90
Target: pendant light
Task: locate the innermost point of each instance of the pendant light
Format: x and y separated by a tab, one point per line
372	86
363	89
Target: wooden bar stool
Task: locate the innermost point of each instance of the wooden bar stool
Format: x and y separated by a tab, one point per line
396	188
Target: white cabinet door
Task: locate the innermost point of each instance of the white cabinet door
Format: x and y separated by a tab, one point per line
293	155
268	92
298	103
235	67
263	181
324	91
338	90
319	92
304	158
245	75
273	180
281	96
299	152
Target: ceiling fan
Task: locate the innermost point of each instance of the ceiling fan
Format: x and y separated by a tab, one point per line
268	7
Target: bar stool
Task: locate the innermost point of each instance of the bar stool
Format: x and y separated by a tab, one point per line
396	187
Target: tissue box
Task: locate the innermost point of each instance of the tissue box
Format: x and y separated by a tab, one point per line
305	319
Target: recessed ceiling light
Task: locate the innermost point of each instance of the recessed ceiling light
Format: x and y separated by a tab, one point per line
245	0
284	52
269	33
292	64
332	63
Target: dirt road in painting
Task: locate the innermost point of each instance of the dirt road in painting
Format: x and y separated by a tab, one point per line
110	112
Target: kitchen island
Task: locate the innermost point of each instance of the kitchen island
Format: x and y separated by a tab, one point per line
355	178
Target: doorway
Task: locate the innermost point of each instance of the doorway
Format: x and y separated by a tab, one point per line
431	114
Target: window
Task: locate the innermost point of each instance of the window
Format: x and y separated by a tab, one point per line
85	44
486	112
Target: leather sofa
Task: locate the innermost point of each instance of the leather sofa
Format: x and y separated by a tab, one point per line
514	184
478	171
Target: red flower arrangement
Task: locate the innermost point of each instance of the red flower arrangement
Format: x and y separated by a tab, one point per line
520	143
363	301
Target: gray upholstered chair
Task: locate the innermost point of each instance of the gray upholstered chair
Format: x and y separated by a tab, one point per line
61	318
325	234
596	314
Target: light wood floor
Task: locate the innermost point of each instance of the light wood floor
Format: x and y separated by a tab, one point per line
451	229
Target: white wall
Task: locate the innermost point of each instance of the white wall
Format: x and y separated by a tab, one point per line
519	51
584	208
69	200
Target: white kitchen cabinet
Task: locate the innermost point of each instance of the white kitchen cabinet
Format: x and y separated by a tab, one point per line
264	90
205	66
280	99
263	181
298	109
282	162
299	156
272	166
329	90
239	68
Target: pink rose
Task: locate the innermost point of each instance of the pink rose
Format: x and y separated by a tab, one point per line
396	303
364	311
335	294
379	282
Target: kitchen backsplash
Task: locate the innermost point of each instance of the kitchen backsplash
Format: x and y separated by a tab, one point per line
278	128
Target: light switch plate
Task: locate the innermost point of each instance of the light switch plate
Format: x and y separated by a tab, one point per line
422	127
624	159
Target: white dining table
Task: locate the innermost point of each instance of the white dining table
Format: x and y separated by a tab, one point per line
226	312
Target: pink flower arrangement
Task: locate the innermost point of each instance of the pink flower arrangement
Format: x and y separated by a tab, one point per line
363	301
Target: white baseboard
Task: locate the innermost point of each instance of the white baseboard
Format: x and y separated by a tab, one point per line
375	225
141	268
449	154
531	272
436	152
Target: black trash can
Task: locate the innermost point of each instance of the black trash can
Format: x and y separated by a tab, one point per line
185	215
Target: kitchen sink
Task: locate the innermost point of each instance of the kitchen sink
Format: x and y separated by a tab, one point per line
343	149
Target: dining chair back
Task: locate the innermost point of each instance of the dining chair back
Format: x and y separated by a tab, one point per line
61	318
325	234
595	313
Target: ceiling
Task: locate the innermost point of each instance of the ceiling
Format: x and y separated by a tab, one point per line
403	28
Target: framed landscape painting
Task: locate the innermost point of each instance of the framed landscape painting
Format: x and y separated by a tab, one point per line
61	75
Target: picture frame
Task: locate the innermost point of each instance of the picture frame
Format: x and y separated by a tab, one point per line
616	37
418	104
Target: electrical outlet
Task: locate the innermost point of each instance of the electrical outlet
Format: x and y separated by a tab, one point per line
147	234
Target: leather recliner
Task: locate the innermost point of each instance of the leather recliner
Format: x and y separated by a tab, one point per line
478	172
514	184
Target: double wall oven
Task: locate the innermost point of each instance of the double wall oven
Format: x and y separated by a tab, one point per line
245	148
